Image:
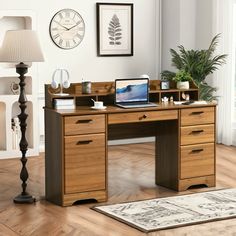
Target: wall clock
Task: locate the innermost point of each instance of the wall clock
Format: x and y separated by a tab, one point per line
67	28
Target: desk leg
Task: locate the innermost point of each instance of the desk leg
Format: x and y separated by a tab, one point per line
167	154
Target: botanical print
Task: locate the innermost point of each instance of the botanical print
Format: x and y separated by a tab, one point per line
156	214
114	31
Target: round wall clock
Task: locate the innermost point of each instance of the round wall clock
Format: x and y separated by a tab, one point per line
67	28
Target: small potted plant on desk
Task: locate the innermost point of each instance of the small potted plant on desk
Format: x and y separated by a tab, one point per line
182	79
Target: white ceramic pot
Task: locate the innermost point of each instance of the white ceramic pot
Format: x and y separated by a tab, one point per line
182	85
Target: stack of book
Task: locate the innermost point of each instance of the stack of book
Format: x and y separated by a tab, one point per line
64	103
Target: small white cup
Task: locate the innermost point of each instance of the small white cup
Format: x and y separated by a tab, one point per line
98	104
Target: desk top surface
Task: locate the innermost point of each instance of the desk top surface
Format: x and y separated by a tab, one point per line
86	110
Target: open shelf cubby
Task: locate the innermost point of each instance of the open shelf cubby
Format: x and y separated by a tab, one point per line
7	83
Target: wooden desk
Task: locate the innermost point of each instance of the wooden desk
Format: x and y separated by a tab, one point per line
76	147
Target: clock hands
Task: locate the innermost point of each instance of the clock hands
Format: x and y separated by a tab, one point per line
75	25
62	25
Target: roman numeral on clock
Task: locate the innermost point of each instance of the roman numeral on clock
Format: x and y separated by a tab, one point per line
56	36
67	44
60	42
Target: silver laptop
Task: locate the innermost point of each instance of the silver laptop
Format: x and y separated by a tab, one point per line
132	93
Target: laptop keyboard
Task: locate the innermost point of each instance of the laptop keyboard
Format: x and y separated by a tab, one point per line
132	105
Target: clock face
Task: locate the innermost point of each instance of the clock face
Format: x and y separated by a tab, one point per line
67	29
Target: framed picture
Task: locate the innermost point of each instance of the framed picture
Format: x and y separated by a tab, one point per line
115	29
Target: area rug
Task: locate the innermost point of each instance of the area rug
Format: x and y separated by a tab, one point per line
170	212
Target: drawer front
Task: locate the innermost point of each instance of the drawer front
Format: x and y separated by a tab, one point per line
144	116
197	160
85	163
197	116
84	124
197	134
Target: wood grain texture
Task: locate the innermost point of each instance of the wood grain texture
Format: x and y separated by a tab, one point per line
167	154
197	134
54	167
207	180
197	116
84	124
143	116
85	163
197	160
131	177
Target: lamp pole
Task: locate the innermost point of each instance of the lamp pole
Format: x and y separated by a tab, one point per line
24	197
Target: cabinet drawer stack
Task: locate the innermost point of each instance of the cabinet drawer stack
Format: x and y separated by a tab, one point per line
84	158
76	159
197	147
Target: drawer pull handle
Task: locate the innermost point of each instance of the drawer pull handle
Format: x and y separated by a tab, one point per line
197	112
84	121
143	117
197	131
84	142
197	150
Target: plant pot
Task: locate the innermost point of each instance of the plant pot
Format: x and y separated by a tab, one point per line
182	85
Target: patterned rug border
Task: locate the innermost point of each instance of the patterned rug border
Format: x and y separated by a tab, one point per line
164	228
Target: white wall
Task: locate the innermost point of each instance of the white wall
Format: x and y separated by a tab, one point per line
187	23
204	23
82	62
170	30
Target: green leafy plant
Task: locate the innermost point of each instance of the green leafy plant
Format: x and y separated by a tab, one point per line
199	63
182	76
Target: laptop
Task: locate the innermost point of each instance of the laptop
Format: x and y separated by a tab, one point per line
132	93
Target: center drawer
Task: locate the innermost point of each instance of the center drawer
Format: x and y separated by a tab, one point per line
84	124
131	117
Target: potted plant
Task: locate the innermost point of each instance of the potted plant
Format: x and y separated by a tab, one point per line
199	63
182	79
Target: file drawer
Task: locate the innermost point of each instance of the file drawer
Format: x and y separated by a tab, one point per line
197	134
197	160
84	124
131	117
197	116
85	163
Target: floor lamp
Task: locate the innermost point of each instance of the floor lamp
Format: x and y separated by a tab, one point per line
22	46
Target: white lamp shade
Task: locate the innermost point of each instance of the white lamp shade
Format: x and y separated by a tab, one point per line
21	46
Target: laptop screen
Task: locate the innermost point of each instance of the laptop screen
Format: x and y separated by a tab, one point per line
131	90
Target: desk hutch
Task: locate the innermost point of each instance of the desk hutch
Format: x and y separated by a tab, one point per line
76	141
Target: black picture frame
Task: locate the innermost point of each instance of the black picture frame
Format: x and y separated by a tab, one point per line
114	29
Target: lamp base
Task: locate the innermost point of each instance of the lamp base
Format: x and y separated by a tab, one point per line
27	198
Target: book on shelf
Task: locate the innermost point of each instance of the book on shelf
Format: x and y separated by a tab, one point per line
64	106
63	102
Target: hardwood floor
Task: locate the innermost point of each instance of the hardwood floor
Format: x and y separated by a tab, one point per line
131	177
